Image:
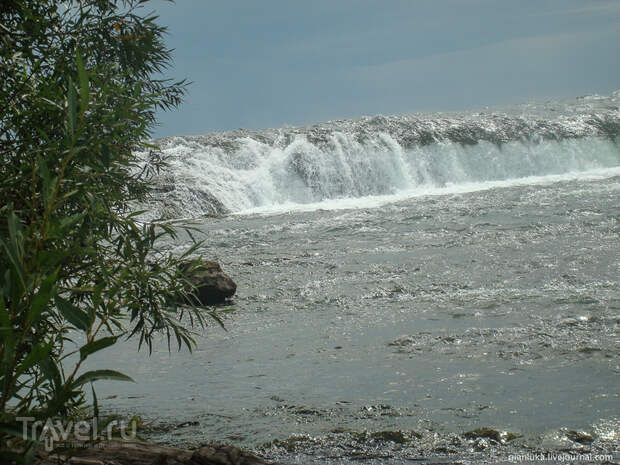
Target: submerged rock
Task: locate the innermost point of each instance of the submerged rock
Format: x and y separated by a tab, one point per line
501	437
393	436
212	285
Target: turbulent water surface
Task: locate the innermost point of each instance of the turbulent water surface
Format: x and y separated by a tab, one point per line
425	288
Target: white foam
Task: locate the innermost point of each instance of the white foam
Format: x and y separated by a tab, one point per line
455	189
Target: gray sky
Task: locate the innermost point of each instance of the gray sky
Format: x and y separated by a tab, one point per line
268	63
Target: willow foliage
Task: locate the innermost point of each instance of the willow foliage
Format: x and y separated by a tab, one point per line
79	91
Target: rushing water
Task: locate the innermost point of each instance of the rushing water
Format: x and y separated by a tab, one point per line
409	288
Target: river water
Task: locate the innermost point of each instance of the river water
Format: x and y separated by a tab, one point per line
470	317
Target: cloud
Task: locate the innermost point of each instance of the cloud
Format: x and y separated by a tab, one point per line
508	71
596	7
282	62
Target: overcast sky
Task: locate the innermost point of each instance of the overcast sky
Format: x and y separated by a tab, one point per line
260	64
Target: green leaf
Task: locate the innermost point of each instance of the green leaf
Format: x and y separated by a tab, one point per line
83	77
94	375
51	371
74	315
137	88
97	345
133	214
51	258
68	222
42	297
49	183
105	155
44	172
97	292
6	330
95	402
192	249
69	194
13	248
37	353
71	106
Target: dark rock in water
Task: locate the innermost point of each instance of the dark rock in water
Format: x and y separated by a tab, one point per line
580	437
393	436
188	423
212	285
143	453
501	437
224	455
